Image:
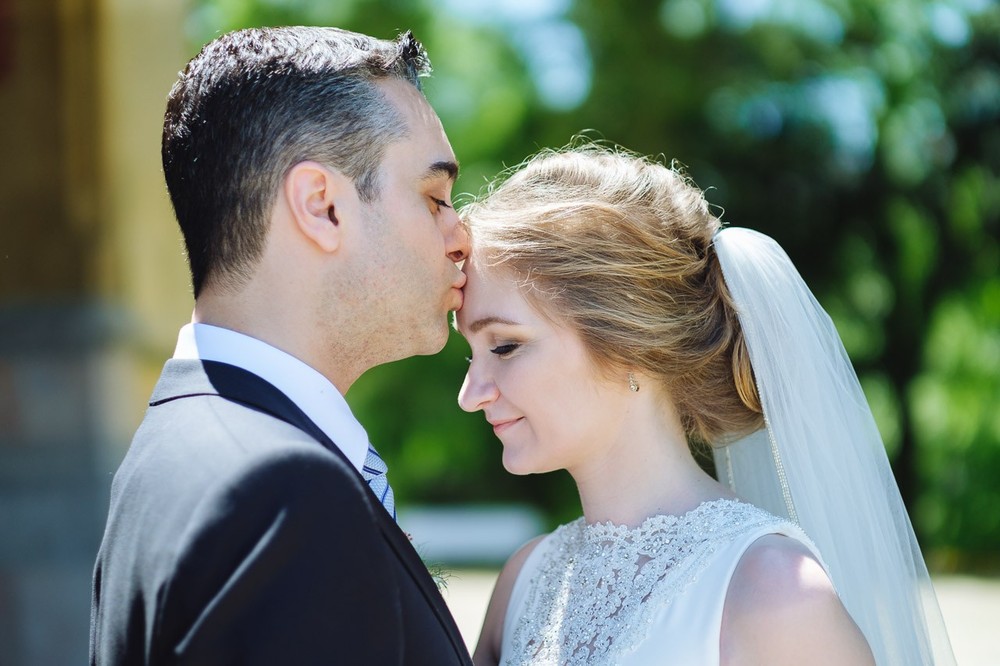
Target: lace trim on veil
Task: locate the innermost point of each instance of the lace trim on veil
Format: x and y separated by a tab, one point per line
598	587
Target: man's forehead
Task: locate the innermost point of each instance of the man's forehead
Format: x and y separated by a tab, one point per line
424	146
411	103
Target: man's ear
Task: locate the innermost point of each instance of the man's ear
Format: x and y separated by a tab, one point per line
315	195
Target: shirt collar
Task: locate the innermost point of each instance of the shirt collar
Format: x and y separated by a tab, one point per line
313	393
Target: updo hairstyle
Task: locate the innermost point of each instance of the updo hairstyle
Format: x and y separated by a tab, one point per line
619	248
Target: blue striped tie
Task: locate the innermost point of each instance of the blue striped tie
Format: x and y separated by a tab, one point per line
373	472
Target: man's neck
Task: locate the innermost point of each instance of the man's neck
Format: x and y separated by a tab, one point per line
283	327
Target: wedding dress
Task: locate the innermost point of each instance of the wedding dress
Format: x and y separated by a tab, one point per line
653	594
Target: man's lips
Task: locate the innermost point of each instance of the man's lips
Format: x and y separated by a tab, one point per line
459	297
456	287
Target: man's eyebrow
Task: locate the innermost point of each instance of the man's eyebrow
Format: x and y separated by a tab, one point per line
442	168
480	324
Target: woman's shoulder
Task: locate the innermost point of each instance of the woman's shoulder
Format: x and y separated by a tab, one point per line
515	562
778	570
491	635
778	588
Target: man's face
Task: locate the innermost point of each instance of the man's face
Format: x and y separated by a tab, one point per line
413	237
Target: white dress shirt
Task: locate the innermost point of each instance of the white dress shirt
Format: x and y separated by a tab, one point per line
313	393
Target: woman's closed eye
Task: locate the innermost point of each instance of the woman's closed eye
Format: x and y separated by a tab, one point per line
505	349
440	203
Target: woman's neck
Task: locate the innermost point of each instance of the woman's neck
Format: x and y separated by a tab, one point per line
647	471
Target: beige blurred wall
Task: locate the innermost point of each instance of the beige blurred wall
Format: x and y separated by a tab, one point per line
143	264
93	287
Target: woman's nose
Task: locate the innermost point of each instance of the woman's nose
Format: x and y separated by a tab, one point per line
476	392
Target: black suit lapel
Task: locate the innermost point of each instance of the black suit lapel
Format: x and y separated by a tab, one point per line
185	378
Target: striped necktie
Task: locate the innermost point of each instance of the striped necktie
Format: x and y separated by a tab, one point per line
374	472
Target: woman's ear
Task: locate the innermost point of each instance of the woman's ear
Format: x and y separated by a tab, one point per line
313	193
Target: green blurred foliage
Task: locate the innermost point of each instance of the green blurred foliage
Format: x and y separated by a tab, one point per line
864	135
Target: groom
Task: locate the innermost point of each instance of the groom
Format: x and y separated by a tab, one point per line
251	522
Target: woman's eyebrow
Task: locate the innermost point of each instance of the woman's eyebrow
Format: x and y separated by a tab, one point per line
482	323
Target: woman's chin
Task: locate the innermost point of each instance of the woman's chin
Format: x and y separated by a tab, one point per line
515	466
522	466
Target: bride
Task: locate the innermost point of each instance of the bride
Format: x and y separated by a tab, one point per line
614	323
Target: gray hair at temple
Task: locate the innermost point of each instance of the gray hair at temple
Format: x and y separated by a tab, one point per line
251	105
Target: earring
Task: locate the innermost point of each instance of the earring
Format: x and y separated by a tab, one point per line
632	384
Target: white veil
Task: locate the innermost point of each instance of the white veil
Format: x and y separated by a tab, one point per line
820	460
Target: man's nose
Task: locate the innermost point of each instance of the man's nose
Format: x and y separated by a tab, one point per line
458	242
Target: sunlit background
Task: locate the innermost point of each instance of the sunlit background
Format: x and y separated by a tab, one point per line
864	135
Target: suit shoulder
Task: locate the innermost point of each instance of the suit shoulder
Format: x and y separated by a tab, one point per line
305	497
205	439
293	474
215	468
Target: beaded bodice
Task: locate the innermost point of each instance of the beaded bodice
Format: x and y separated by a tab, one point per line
597	588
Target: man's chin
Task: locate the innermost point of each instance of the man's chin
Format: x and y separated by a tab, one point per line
432	342
439	341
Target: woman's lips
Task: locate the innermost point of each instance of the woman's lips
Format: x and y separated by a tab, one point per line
502	426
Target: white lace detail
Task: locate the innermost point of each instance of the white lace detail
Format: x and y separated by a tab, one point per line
595	592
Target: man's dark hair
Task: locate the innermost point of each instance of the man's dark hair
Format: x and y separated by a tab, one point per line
253	104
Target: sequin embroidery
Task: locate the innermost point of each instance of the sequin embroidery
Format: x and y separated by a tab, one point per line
596	591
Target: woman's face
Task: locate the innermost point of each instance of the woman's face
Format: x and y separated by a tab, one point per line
533	379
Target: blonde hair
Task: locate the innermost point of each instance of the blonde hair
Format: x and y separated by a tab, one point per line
619	248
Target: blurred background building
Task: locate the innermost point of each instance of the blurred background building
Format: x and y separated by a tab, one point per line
863	134
92	284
